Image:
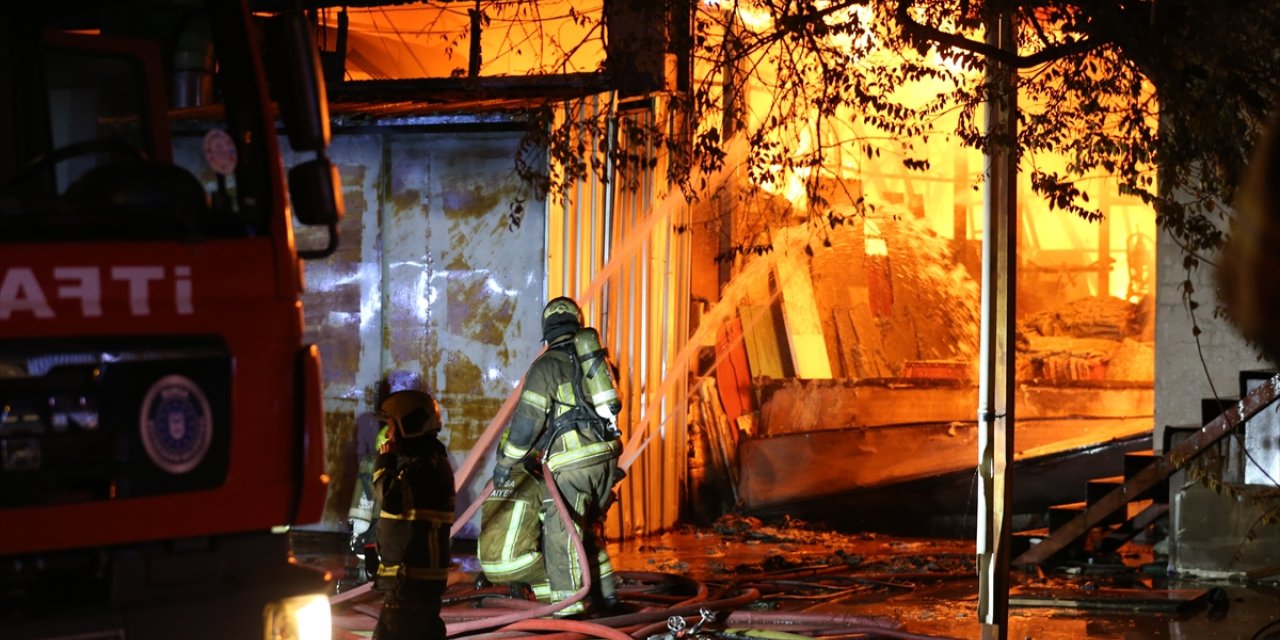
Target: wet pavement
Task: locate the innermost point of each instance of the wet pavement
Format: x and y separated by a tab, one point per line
929	585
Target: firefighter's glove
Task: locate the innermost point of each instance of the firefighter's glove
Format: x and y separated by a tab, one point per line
501	475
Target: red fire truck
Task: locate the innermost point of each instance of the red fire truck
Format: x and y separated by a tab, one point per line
160	413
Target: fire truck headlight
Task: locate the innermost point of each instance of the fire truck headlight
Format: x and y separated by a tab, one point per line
299	618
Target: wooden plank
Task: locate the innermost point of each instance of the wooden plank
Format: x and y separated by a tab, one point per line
746	315
837	461
763	347
1122	599
870	343
733	374
1158	471
721	435
802	322
847	343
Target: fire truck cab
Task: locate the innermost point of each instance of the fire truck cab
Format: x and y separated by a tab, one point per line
160	412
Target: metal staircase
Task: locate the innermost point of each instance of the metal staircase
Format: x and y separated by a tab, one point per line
1106	507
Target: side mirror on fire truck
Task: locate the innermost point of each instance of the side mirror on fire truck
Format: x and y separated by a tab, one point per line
297	81
293	63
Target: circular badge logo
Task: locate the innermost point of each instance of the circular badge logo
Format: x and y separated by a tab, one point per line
176	426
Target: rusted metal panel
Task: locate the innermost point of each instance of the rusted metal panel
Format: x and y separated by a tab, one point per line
343	312
431	287
462	286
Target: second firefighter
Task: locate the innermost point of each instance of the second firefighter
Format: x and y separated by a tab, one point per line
558	419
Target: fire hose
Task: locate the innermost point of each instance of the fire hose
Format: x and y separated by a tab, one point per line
514	618
589	628
806	621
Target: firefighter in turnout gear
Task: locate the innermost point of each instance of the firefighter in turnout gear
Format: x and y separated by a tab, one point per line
554	421
414	482
510	544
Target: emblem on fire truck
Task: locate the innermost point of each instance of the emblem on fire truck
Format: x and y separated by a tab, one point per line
176	424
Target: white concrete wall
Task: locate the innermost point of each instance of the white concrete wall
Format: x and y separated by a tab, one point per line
1180	377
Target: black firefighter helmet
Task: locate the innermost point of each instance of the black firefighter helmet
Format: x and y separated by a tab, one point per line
560	317
412	414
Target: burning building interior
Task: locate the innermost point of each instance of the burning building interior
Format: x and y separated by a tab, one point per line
639	319
787	264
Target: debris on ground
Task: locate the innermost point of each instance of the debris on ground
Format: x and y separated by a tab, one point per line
811	582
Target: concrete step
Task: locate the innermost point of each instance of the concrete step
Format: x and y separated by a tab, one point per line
1251	378
1211	408
1174	434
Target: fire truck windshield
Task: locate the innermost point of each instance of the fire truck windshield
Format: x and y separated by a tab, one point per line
134	123
95	103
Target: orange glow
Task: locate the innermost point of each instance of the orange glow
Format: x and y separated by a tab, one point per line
898	280
874	244
561	36
755	18
1070	255
863	175
433	41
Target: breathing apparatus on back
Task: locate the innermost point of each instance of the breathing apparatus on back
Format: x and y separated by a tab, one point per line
597	376
595	385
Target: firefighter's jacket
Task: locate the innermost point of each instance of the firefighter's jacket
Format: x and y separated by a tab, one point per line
542	417
417	500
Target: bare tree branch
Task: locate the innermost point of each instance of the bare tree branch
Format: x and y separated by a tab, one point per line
1048	54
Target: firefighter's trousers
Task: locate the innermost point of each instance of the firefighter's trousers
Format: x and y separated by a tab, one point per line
411	611
587	490
510	544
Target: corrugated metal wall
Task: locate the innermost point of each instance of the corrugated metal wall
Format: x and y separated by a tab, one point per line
613	244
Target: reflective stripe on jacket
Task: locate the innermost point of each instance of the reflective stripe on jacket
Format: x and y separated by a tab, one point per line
417	508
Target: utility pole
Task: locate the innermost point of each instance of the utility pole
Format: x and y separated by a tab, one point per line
999	289
473	56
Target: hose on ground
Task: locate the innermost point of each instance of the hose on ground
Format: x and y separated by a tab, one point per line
699	589
748	618
497	615
643	617
588	628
